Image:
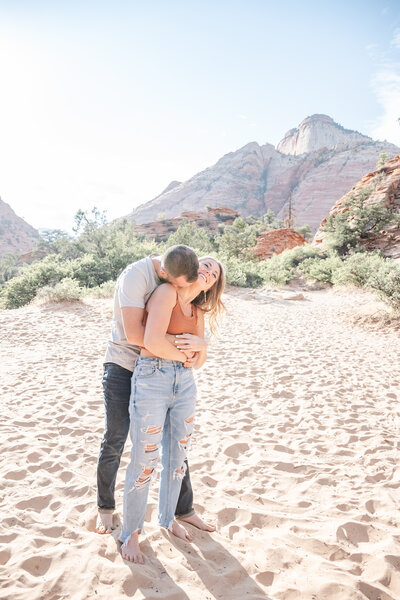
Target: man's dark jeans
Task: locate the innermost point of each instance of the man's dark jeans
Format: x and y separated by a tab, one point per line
117	392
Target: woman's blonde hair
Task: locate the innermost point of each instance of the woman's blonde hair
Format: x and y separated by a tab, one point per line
210	302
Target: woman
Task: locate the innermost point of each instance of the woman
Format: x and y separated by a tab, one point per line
163	399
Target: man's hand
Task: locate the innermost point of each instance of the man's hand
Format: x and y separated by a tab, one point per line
187	341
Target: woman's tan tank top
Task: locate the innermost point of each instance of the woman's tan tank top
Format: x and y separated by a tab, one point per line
179	322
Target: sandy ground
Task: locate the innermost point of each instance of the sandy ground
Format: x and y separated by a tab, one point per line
295	456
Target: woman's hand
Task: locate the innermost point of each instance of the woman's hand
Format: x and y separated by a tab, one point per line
188	341
191	362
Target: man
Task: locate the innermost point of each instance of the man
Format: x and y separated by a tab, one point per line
179	265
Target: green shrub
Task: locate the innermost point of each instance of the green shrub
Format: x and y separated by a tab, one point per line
22	289
386	281
277	271
105	290
320	268
66	290
242	273
357	269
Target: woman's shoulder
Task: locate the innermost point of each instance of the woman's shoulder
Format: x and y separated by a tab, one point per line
165	292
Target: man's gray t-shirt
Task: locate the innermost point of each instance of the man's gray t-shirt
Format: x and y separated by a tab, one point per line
133	288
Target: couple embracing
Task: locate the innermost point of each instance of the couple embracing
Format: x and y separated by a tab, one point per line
149	389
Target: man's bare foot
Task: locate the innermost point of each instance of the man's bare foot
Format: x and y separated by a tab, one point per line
104	523
130	549
181	532
198	522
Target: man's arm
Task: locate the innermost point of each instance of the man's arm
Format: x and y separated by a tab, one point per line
132	320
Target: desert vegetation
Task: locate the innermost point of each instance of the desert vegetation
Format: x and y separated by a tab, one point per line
87	264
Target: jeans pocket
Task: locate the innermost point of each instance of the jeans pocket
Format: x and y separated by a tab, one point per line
144	371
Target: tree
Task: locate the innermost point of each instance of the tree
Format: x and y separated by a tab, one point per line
239	239
192	235
89	228
382	159
304	230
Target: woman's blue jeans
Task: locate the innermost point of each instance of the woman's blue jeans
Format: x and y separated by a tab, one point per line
161	408
117	393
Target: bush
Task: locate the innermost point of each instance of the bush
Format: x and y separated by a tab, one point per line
282	268
357	269
386	281
242	273
22	289
320	268
67	290
105	290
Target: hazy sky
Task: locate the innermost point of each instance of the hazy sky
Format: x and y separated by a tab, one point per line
104	103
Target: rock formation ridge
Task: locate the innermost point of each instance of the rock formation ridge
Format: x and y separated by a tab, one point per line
313	166
15	233
385	183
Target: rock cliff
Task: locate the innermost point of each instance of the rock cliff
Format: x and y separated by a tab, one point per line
210	220
316	132
386	184
313	166
15	234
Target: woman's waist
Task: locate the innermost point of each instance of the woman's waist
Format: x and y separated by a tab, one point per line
159	362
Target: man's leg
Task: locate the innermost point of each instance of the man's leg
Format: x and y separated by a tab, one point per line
117	391
184	508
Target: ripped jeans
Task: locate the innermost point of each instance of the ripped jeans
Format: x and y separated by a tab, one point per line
161	408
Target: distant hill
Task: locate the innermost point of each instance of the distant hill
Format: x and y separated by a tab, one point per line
314	165
15	233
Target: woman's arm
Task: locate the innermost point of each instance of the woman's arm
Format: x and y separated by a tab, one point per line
159	308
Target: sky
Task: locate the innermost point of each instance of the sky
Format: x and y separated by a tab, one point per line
105	103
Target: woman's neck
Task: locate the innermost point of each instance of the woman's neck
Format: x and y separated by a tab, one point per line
188	294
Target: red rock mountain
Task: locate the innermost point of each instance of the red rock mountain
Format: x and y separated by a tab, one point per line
385	183
314	165
15	234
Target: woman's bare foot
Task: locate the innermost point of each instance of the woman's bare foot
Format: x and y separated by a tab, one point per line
198	522
130	549
104	523
181	532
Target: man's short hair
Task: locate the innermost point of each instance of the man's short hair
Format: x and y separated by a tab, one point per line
181	260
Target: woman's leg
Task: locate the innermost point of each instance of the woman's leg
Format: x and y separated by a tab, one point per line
151	392
175	441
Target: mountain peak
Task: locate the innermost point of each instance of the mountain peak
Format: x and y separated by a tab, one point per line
316	132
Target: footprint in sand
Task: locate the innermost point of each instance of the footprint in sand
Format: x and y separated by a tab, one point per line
373	593
352	532
209	481
236	450
266	578
5	556
37	565
38	503
15	475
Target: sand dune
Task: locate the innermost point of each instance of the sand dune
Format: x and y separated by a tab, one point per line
295	456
